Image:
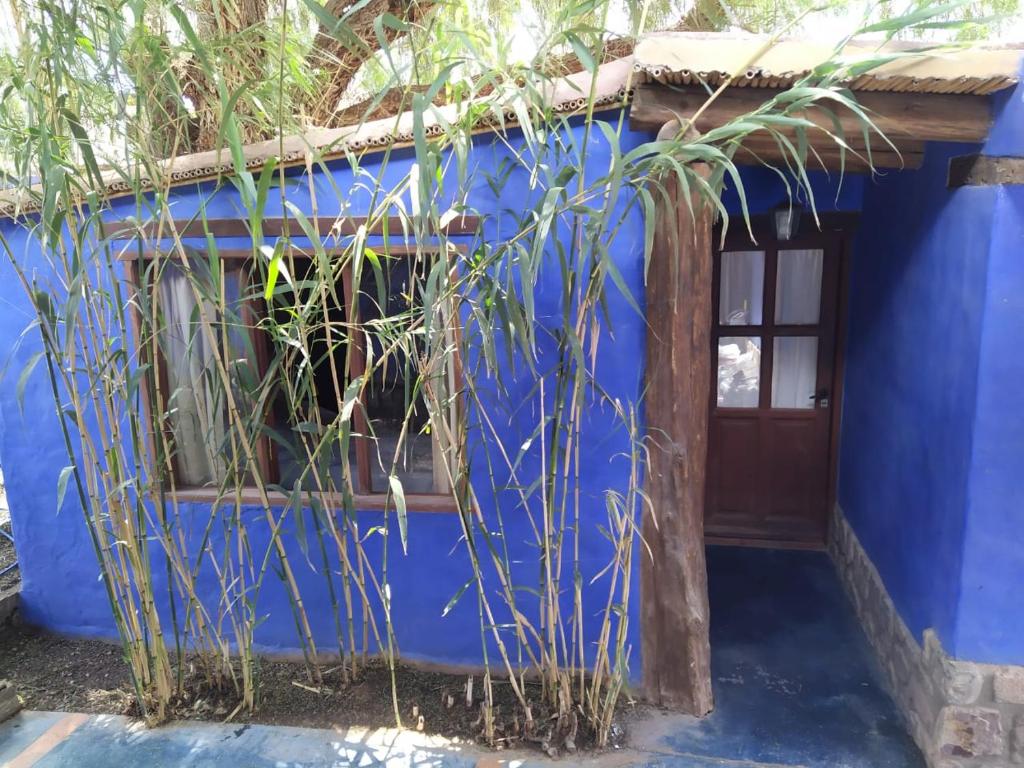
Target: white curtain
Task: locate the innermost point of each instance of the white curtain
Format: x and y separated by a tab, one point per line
741	291
194	396
794	371
798	287
448	388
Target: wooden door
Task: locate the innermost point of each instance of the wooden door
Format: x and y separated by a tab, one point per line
773	347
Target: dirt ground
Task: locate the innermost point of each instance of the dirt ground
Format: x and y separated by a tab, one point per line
57	673
7	557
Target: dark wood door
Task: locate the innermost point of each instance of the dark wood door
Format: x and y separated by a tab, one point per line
774	347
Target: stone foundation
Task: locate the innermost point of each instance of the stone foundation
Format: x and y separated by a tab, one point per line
961	714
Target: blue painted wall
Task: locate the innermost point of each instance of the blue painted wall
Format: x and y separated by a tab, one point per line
991	609
915	310
932	441
990	621
60	585
1006	136
60	588
764	189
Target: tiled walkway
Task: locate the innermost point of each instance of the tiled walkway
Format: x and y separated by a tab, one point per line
794	680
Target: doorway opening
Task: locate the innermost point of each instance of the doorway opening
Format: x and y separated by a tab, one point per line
775	389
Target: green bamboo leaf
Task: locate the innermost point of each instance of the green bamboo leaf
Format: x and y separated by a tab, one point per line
398	492
440	81
620	283
378	273
457	596
23	378
84	146
587	6
299	515
582	52
275	267
352	392
62	485
267	177
924	13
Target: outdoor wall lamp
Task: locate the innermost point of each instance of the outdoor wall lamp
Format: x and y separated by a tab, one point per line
786	218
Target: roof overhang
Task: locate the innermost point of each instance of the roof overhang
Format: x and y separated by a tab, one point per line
753	61
921	93
929	95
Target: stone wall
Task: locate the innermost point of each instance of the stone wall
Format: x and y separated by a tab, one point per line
961	714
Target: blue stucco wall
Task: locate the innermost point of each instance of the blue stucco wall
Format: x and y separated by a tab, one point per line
990	610
990	619
915	310
932	439
60	588
764	189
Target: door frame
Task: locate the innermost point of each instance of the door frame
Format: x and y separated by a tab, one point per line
844	226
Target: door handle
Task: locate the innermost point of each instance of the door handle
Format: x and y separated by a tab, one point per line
821	397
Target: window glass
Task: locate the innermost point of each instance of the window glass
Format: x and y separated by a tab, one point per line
741	288
739	371
798	287
196	403
794	371
395	405
312	324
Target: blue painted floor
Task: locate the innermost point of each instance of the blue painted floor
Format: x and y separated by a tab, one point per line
795	685
795	681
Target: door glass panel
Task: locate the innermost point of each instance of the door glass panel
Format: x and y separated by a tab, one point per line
739	371
798	287
794	371
741	288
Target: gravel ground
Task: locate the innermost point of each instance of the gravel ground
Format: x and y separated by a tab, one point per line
56	673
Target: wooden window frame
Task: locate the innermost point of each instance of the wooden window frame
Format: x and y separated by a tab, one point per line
363	497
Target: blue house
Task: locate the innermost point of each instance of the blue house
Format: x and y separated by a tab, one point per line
845	377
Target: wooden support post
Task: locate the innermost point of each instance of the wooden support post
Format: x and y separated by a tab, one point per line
676	647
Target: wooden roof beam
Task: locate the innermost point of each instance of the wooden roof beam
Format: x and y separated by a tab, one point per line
900	116
826	154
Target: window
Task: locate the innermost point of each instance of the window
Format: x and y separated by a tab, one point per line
361	351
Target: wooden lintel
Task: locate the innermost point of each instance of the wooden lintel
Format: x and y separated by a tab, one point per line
674	605
327	226
830	158
985	171
920	116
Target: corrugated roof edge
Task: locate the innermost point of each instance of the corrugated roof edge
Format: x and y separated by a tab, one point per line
693	58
